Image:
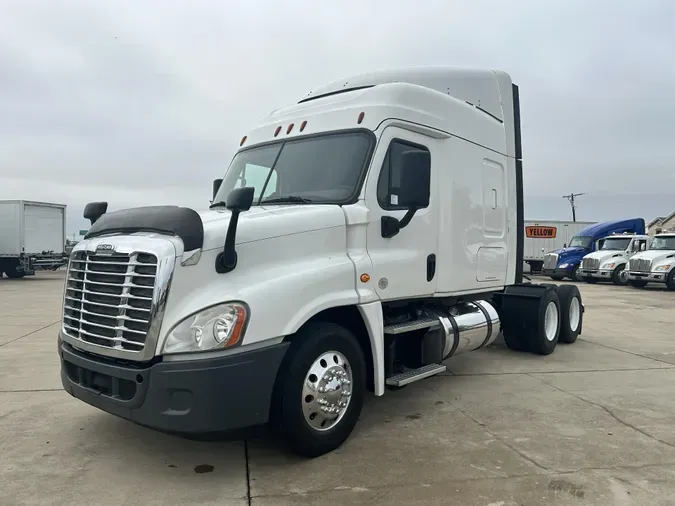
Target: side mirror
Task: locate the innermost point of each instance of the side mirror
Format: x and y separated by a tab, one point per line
94	210
216	187
414	192
564	245
643	247
238	200
415	179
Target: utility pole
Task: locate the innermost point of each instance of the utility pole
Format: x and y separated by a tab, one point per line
570	198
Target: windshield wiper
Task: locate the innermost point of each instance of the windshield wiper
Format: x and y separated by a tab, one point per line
288	199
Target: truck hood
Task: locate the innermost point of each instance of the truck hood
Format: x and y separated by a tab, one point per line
568	252
655	254
605	255
263	222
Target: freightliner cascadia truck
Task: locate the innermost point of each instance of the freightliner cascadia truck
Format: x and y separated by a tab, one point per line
359	238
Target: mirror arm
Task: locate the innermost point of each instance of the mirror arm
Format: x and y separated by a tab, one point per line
392	226
226	260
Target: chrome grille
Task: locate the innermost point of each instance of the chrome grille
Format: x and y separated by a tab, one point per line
590	263
640	265
108	298
550	260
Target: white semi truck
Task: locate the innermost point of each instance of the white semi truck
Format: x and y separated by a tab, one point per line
610	261
656	265
359	239
32	237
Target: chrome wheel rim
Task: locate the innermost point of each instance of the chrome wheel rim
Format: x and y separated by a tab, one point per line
623	276
575	314
327	391
551	321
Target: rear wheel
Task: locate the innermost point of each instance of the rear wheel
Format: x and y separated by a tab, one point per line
571	313
637	283
542	336
320	388
12	271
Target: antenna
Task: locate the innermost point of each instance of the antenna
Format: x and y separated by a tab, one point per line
570	198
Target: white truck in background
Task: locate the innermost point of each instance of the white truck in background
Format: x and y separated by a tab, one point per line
359	238
32	237
542	237
610	261
656	265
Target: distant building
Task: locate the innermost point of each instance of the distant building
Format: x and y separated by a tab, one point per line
662	224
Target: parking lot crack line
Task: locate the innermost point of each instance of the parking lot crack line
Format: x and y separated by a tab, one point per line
29	334
629	352
248	473
24	391
505	443
566	371
609	412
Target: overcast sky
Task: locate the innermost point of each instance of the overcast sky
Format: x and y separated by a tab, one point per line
144	102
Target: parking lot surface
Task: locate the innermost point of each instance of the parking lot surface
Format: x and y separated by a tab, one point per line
593	423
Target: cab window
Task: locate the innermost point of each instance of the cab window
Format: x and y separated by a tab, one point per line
389	182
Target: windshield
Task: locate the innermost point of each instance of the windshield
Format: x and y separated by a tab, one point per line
580	241
663	243
326	169
616	243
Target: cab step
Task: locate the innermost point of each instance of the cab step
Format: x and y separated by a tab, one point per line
426	371
425	322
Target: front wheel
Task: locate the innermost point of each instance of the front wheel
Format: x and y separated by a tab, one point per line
620	276
670	280
574	275
320	389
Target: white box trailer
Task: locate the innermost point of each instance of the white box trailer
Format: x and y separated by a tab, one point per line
32	236
543	236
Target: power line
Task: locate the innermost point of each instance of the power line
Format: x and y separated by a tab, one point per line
571	198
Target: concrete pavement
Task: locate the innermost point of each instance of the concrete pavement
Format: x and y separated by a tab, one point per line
590	424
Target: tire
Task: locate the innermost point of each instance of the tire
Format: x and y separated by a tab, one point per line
619	276
670	280
571	313
637	283
543	334
574	275
591	281
296	414
13	274
515	339
557	278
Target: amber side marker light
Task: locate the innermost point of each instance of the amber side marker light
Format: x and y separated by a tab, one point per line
365	278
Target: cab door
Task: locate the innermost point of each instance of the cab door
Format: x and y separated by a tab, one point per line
404	265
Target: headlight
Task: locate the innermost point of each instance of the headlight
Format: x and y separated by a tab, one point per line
607	266
562	266
663	267
213	328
